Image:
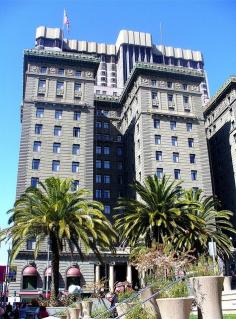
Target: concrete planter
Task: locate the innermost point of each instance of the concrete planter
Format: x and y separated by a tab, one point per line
174	308
87	308
208	292
227	283
74	313
122	308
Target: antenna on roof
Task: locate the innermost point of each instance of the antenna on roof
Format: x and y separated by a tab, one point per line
161	42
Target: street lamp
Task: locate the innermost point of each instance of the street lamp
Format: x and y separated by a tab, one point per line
6	277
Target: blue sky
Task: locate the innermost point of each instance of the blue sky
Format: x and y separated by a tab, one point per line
205	25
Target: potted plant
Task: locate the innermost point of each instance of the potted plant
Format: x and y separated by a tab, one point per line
174	301
87	305
75	310
207	286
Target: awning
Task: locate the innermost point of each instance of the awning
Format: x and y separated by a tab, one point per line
73	272
30	271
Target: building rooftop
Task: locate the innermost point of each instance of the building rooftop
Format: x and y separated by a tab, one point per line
125	37
223	90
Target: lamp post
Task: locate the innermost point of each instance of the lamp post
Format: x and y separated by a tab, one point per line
47	274
6	278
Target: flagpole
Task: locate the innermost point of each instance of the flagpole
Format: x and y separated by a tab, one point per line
62	30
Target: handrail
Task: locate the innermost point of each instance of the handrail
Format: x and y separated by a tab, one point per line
141	302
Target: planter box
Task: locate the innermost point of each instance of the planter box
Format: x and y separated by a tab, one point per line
175	308
208	293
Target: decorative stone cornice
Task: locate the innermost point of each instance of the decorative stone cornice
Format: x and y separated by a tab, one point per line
62	55
222	90
164	70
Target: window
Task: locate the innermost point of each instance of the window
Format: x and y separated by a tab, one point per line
119	151
170	98
119	138
58	114
106	150
192	158
78	73
37	146
77	87
75	186
159	173
60	85
61	71
157	139
106	125
43	69
35	164
154	95
98	112
185	99
185	86
98	179
76	132
42	86
98	164
98	193
31	243
75	149
119	165
190	142
98	124
97	92
194	175
156	123
189	127
38	129
176	157
77	115
57	130
34	181
106	137
106	194
114	93
154	82
174	140
55	166
56	148
173	125
106	179
75	167
107	164
158	155
98	150
39	112
169	85
177	173
107	209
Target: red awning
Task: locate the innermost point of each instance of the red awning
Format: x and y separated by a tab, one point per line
30	271
73	272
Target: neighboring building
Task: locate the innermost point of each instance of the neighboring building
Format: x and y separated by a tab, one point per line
220	121
105	115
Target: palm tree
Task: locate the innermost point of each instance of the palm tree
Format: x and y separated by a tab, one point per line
53	211
202	222
153	214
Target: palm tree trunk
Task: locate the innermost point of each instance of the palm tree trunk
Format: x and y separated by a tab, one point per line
55	266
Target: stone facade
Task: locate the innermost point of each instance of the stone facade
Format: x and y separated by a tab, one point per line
104	135
221	134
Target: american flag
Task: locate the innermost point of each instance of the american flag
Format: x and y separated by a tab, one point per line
66	21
